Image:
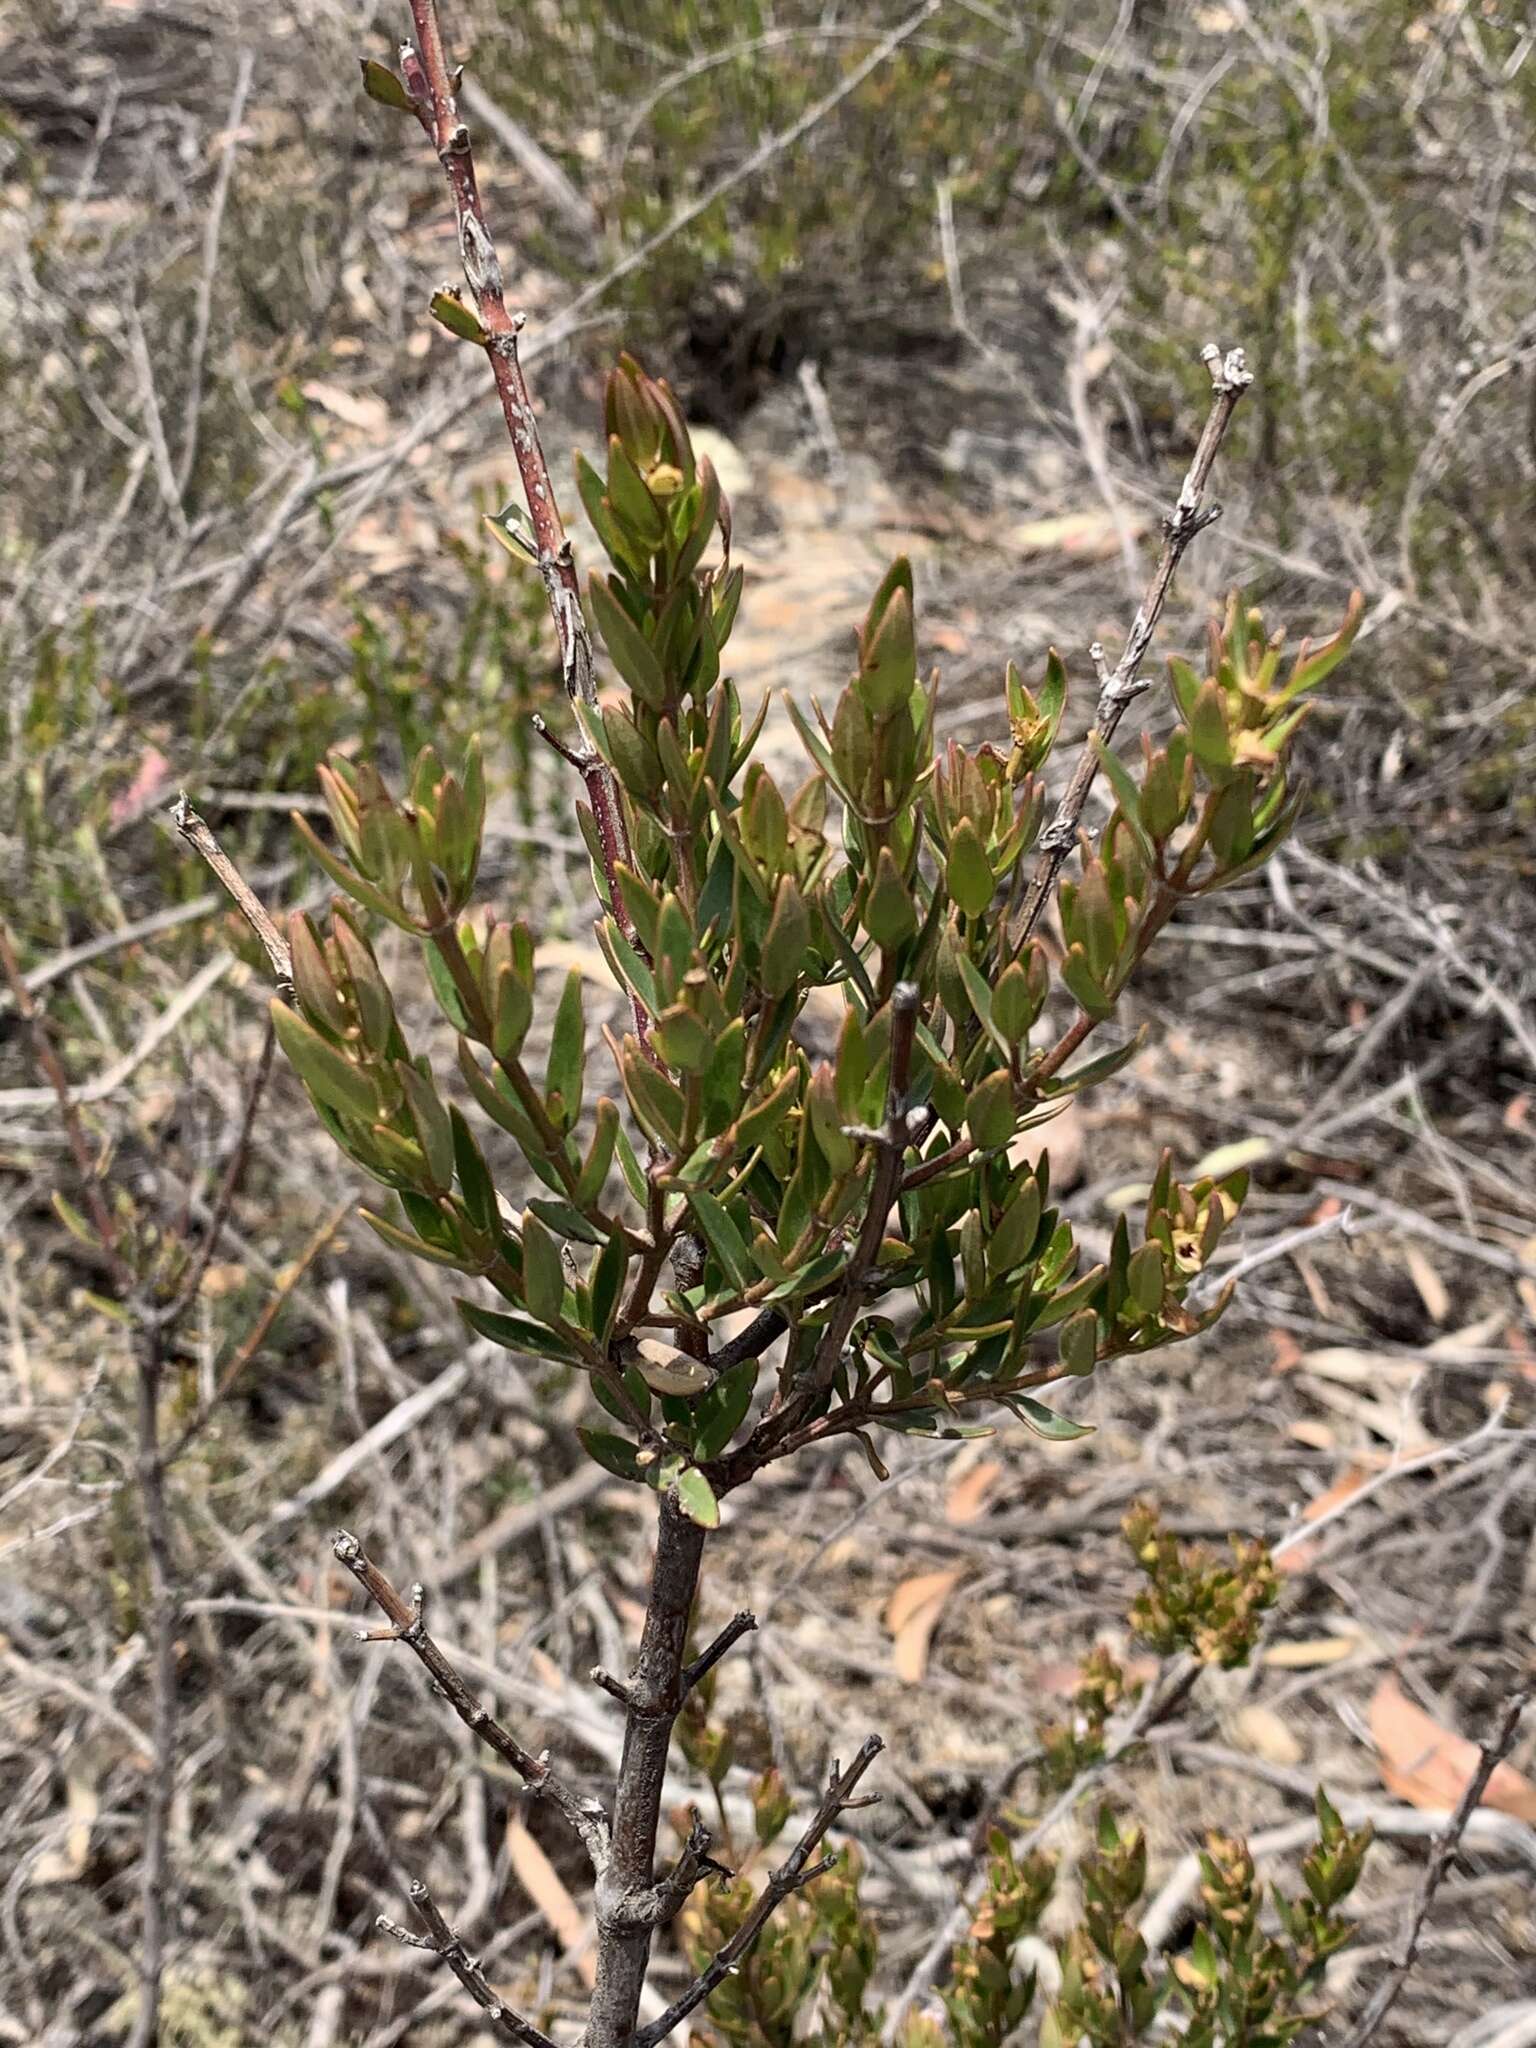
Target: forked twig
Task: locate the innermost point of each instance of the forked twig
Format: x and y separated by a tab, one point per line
407	1624
1230	378
791	1876
441	1941
1494	1751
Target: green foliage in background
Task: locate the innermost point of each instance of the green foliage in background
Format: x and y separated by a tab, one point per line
1077	1966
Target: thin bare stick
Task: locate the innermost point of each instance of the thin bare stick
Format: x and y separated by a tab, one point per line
1494	1751
407	1625
441	1941
1230	378
53	1072
201	840
155	1875
256	1336
791	1876
187	1292
212	229
149	1335
738	1626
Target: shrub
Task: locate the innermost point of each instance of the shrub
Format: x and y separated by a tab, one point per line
862	1210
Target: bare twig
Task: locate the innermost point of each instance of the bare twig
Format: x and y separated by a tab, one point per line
201	840
1230	378
441	1941
1494	1750
256	1336
154	1871
738	1626
233	1172
432	86
407	1625
212	229
791	1876
59	1091
654	1696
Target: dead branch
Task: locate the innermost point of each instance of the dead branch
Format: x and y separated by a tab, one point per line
584	1816
1390	1989
441	1941
1230	378
791	1876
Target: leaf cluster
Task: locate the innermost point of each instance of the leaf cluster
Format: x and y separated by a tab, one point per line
869	1199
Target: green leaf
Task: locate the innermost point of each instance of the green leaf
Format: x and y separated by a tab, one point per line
313	983
475	1183
511	1013
1145	1277
628	967
631	499
445	988
634	758
1312	667
724	1239
1095	1070
889	915
543	1271
595	1167
1013	1005
567	1054
381	84
720	1412
633	655
683	1040
889	667
1013	1238
1056	1429
656	1101
1127	795
696	1498
786	941
1078	980
434	1132
1208	733
768	1111
74	1222
607	1285
566	1221
400	1240
1077	1344
614	1453
967	870
517	1333
990	1113
449	310
328	1074
979	994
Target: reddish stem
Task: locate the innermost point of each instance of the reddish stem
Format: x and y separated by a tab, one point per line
429	75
